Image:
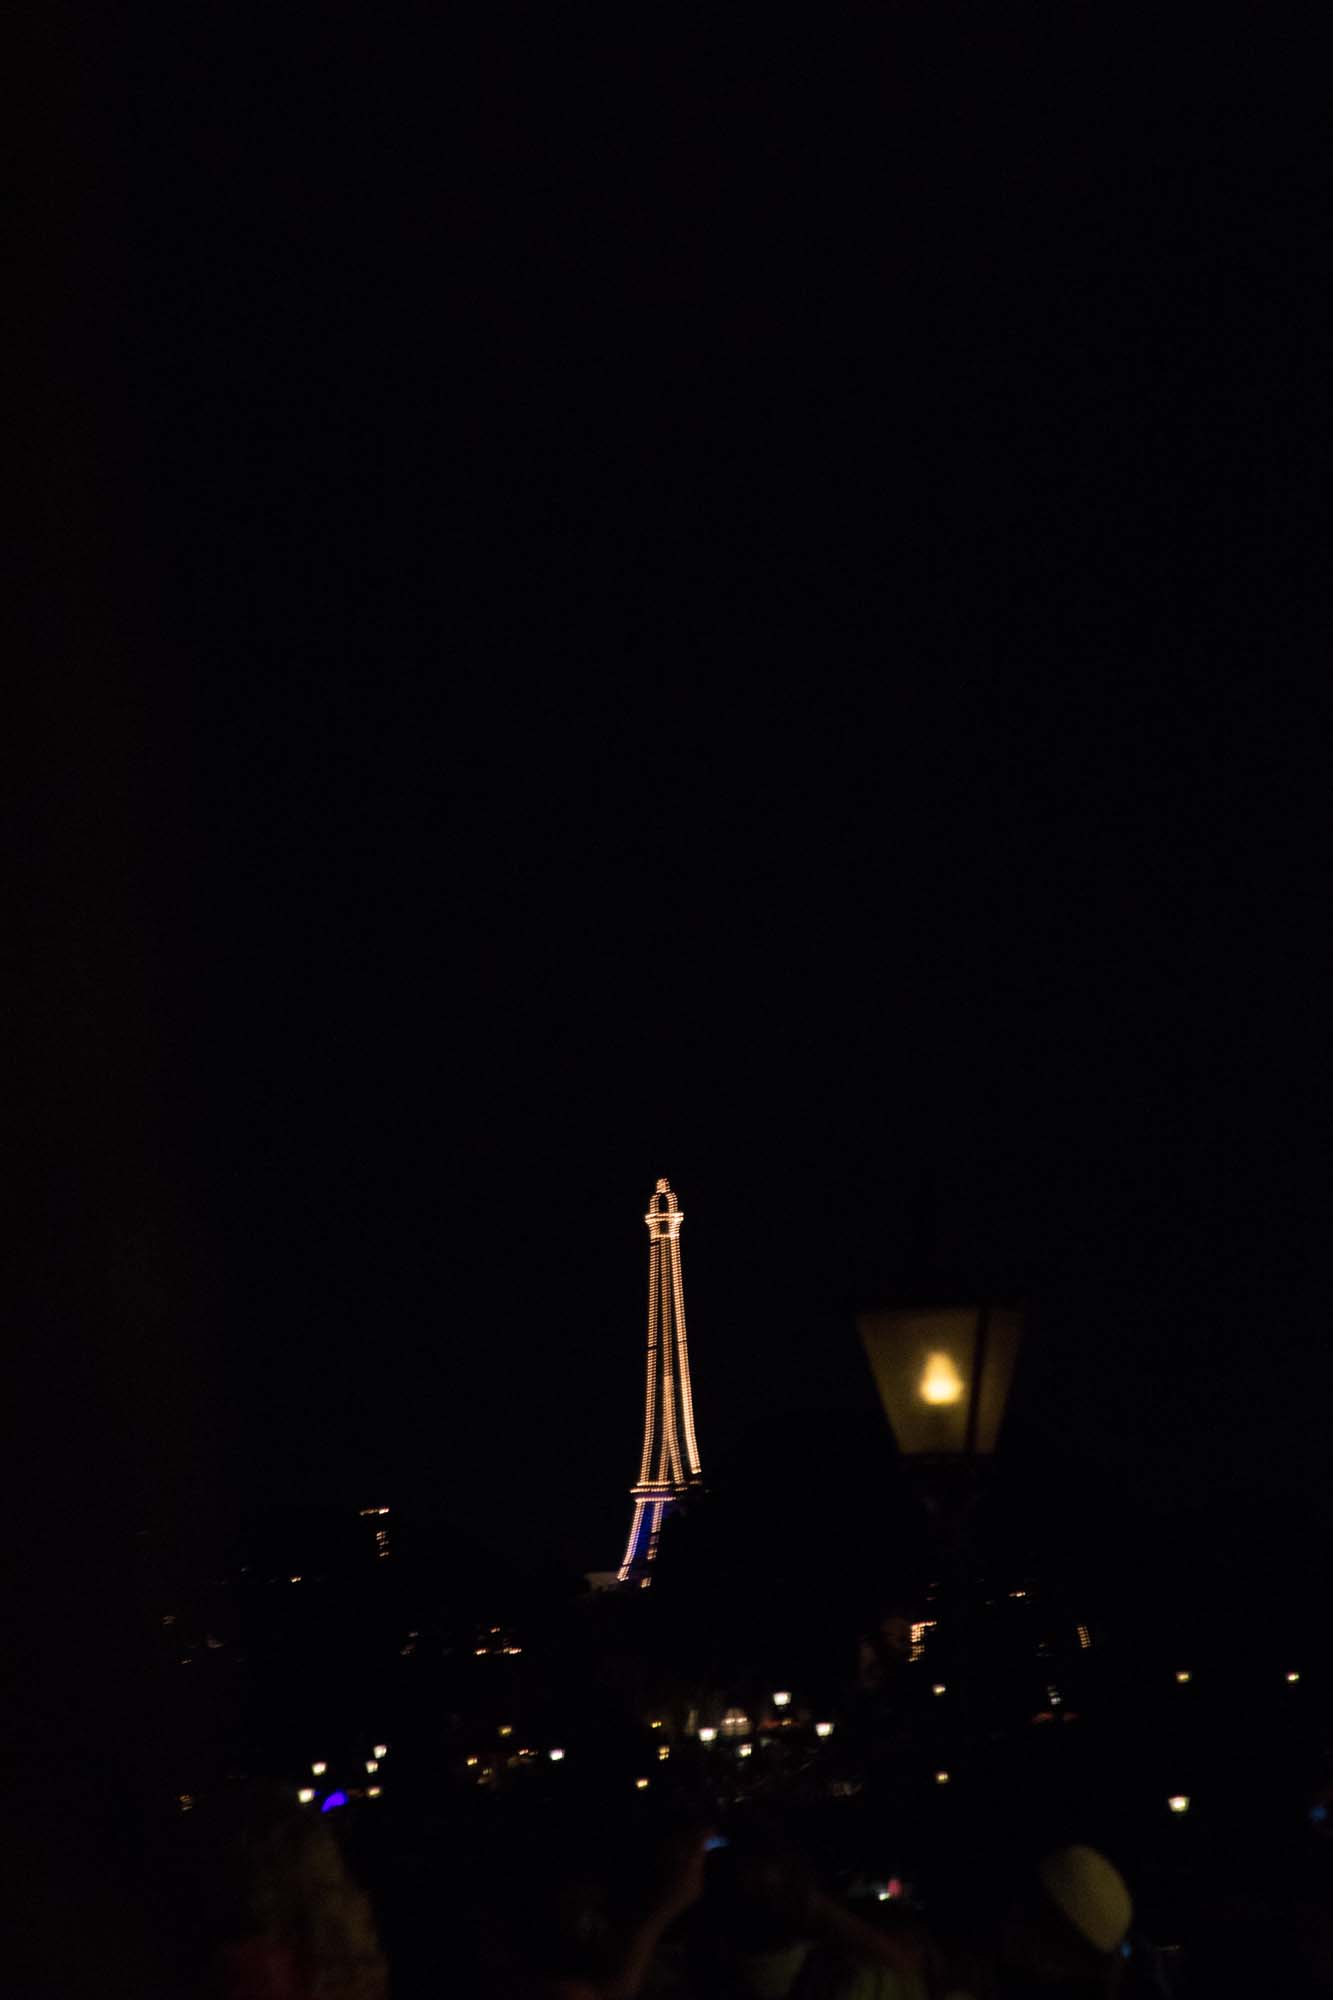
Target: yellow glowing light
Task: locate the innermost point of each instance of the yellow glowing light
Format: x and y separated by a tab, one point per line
306	1794
319	1769
471	1762
663	1753
941	1777
185	1800
372	1791
782	1699
293	1579
372	1763
655	1725
506	1729
1183	1675
1293	1677
556	1756
823	1729
640	1784
941	1382
708	1735
1179	1802
938	1688
745	1749
1084	1636
379	1749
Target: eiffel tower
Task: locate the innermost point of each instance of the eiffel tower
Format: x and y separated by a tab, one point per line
669	1466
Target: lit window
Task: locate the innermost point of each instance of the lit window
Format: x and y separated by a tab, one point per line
823	1729
782	1699
372	1791
1293	1677
320	1768
745	1749
662	1754
379	1749
506	1729
707	1735
1178	1802
938	1688
655	1724
941	1777
1182	1675
372	1763
306	1794
640	1784
556	1756
470	1762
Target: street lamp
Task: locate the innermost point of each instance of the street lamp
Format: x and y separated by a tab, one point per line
943	1361
943	1369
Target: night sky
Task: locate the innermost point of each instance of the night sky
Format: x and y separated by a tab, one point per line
649	599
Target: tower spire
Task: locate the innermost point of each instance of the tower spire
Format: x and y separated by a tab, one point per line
669	1462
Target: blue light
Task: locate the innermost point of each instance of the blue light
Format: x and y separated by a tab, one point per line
1319	1814
334	1799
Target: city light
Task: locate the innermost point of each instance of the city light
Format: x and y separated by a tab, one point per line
1084	1637
823	1729
663	1753
319	1769
372	1791
372	1763
782	1699
306	1794
707	1735
1182	1675
506	1729
939	1688
656	1723
556	1756
472	1762
1178	1802
1293	1677
941	1777
745	1749
640	1784
379	1749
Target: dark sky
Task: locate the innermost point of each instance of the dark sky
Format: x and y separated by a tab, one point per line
672	599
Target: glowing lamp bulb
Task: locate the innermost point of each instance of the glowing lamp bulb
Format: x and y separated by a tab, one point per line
471	1763
640	1784
823	1729
319	1769
782	1699
656	1723
1178	1802
379	1749
306	1794
941	1382
708	1735
941	1777
1183	1675
938	1688
556	1756
1293	1677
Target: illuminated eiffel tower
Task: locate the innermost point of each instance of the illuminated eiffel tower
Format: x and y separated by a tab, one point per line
669	1467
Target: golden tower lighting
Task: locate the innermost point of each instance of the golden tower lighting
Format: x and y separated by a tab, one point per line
669	1460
